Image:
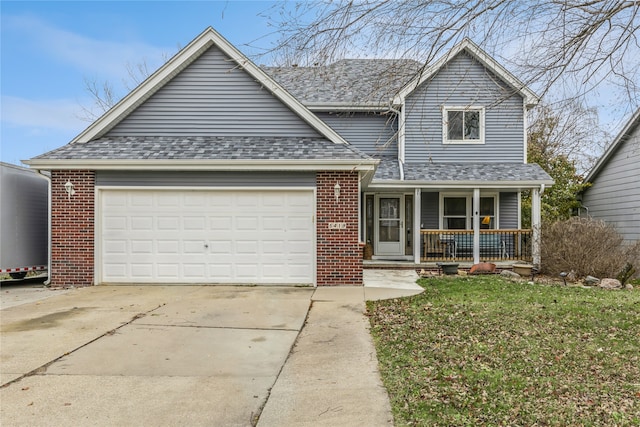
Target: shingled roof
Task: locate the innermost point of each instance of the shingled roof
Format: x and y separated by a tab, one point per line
352	81
475	172
206	148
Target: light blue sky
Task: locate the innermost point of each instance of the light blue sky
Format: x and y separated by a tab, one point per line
50	47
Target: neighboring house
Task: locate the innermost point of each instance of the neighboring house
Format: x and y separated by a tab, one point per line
214	170
614	194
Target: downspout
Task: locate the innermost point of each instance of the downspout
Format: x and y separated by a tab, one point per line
400	114
526	136
49	210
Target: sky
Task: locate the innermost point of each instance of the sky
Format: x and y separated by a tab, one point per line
50	48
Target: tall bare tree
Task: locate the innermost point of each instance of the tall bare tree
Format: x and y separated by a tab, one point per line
569	48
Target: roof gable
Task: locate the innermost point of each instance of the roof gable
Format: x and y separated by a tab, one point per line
201	44
633	125
213	97
530	98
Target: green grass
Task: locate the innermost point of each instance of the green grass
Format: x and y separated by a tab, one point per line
483	351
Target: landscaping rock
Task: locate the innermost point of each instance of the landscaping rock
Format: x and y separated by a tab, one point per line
571	277
610	284
591	281
483	268
509	274
628	286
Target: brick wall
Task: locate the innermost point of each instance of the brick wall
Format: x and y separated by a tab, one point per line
72	229
338	250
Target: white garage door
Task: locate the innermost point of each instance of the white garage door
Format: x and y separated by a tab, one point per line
221	236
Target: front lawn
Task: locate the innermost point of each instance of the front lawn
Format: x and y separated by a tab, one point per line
483	351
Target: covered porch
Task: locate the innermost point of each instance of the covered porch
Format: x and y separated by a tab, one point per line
422	214
424	226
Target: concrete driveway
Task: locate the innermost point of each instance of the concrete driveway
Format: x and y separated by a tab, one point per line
147	355
194	355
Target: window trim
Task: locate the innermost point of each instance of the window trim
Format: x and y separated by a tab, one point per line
469	202
445	125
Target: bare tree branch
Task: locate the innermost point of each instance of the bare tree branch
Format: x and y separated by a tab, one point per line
568	46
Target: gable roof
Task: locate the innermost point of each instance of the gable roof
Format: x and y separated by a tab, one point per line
530	98
179	62
624	134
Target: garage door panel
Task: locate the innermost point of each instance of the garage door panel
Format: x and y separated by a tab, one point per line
142	270
168	222
273	247
205	236
274	223
142	223
194	223
168	271
168	246
219	247
220	222
115	223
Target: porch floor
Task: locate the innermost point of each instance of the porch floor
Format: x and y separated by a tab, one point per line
410	265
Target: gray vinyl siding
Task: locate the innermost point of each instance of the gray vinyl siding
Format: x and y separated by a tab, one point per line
508	211
206	179
615	194
213	97
430	211
464	82
375	134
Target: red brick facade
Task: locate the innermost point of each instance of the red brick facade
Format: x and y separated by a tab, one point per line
338	250
339	255
72	229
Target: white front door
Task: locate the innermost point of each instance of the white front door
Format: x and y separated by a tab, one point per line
389	225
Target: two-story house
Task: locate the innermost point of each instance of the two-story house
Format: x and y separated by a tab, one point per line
215	170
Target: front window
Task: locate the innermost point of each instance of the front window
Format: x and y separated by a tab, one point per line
487	213
463	125
457	212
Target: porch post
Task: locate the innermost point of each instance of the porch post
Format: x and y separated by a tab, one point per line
535	225
417	225
476	225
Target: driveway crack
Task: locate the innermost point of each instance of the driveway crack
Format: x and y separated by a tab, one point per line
43	368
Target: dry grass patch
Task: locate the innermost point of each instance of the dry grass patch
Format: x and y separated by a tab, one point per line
483	351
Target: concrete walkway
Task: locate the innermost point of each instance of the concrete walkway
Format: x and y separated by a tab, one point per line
331	377
196	355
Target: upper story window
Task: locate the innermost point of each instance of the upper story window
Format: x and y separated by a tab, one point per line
463	125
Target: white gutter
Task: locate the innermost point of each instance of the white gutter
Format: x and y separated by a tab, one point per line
49	210
459	184
209	165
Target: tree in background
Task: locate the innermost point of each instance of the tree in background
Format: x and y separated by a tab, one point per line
563	144
569	48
